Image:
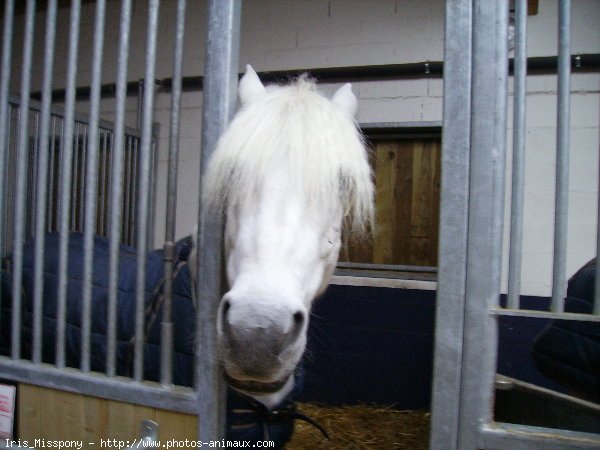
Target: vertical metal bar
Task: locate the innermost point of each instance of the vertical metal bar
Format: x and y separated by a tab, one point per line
75	176
22	157
486	217
91	186
152	181
123	223
51	178
41	183
33	157
100	211
82	181
144	177
518	160
5	67
171	210
561	203
220	83
596	309
453	225
140	104
66	171
134	180
116	179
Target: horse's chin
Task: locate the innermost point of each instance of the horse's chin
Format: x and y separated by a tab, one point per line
253	387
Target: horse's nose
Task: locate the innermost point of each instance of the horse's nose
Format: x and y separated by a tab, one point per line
257	336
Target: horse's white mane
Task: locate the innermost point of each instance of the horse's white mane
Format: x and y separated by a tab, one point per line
313	139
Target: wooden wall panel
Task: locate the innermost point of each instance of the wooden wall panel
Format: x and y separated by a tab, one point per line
45	413
385	173
407	178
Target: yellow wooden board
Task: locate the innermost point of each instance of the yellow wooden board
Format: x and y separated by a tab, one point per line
52	415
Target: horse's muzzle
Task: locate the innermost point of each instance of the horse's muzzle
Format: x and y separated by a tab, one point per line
260	344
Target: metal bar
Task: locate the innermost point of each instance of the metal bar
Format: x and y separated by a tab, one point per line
178	398
504	435
51	178
91	188
561	203
152	181
66	182
9	6
75	176
545	314
22	156
387	267
171	209
116	179
144	177
84	119
125	183
42	182
518	160
451	280
486	217
586	63
596	309
33	157
140	104
102	166
82	180
220	82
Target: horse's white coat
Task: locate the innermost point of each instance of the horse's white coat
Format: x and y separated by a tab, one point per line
288	172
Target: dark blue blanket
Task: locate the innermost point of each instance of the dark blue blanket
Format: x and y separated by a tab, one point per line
568	351
250	425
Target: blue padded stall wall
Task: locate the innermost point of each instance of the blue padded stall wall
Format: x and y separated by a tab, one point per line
375	345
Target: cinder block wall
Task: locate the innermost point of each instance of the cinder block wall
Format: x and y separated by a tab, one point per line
293	34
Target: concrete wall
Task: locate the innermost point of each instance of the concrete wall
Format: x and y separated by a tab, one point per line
295	34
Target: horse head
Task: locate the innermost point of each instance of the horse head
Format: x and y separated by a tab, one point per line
290	172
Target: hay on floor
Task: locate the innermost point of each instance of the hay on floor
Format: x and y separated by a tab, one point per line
361	427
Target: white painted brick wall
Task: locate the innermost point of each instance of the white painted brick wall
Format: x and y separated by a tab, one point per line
296	34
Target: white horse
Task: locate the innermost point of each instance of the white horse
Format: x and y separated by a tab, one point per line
289	172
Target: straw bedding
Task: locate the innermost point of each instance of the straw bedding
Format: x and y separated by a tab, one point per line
361	427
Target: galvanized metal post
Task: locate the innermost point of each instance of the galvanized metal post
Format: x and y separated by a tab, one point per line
220	82
166	348
5	67
143	189
41	182
561	204
65	182
116	189
22	156
453	226
486	218
91	188
518	160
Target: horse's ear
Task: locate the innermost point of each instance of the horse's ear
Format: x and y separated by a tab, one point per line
250	88
345	99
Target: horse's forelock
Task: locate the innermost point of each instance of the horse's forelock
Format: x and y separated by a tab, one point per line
293	124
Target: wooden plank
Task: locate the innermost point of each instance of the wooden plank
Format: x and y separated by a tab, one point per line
56	415
422	191
121	421
28	412
403	198
96	419
62	415
425	202
176	426
407	178
385	176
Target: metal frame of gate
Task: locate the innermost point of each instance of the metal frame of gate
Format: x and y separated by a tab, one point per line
206	398
472	221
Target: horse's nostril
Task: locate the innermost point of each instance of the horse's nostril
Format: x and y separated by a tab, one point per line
298	318
226	306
